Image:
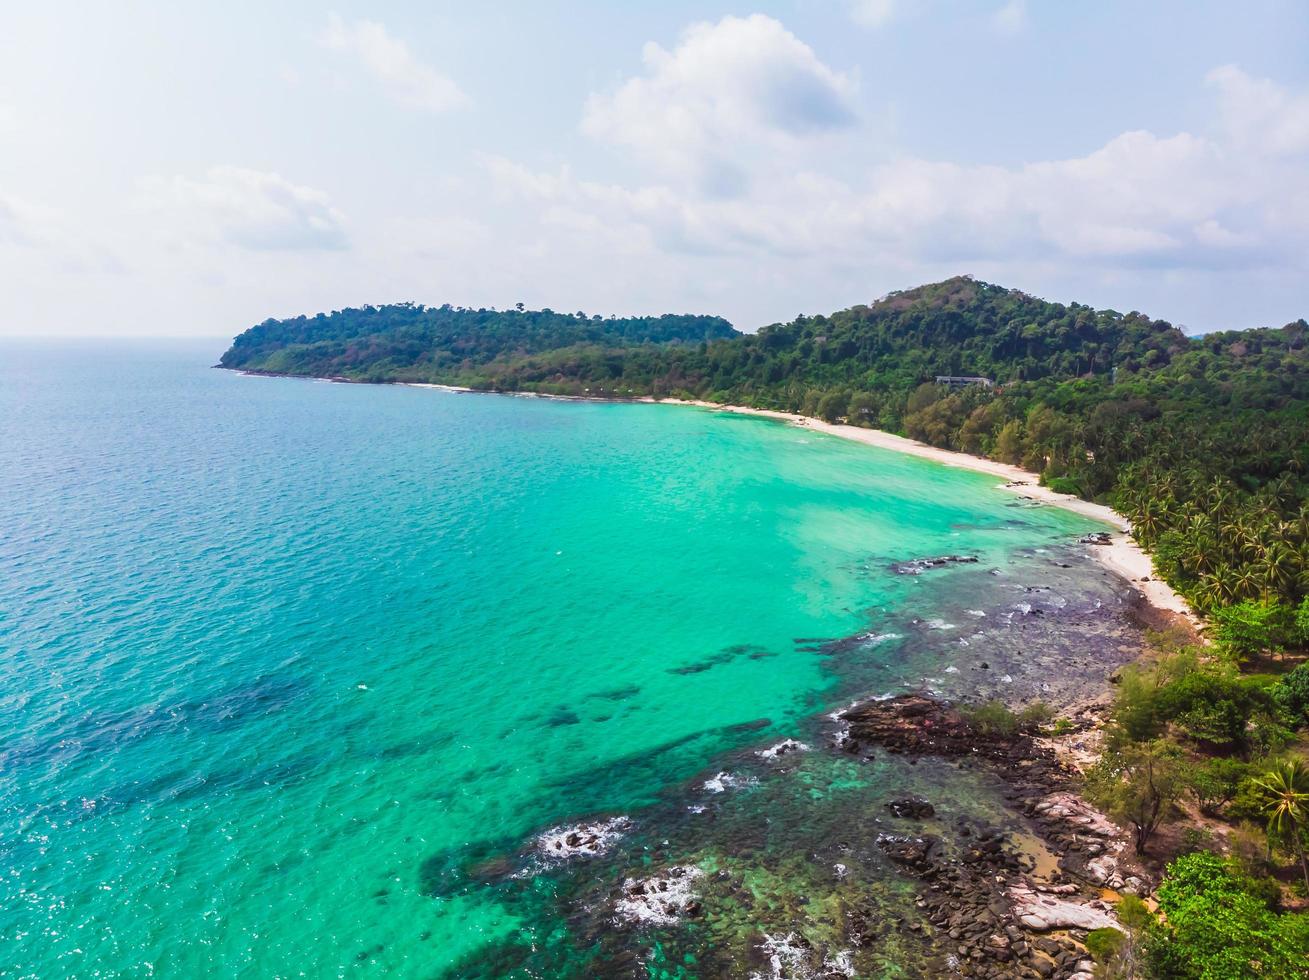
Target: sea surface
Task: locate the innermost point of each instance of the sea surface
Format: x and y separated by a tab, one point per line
294	674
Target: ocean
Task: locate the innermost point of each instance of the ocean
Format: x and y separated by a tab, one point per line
295	676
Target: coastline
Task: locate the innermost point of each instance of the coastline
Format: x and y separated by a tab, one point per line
1041	873
1122	555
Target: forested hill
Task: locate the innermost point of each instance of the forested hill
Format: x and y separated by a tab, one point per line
1202	442
409	342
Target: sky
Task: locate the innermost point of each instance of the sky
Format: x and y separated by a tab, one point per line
191	169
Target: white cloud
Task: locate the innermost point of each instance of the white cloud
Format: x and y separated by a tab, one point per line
872	13
1259	115
1139	201
729	90
405	78
1011	18
13	229
250	209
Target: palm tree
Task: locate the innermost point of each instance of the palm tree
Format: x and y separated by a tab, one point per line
1283	794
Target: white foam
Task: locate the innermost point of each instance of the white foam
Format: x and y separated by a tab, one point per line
788	959
939	624
952	670
784	747
660	900
975	612
583	839
726	780
875	638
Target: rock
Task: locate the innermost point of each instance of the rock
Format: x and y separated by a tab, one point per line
1043	912
917	566
1070	809
912	807
1096	537
912	851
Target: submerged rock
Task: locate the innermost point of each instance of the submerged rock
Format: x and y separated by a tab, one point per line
915	852
787	746
583	839
660	900
916	566
912	807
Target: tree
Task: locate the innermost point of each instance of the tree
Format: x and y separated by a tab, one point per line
833	405
1249	628
1138	783
1283	795
1009	442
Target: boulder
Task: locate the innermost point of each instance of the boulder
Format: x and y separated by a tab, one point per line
1043	912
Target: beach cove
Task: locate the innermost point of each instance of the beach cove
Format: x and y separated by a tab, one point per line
435	676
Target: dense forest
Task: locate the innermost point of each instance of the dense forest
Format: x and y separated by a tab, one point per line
410	342
1202	443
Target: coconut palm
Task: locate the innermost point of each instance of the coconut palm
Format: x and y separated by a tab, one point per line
1283	794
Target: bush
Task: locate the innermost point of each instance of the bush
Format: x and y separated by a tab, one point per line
1197	839
1220	927
995	718
1103	943
1292	693
1064	484
1035	715
992	718
1248	629
1214	782
1212	705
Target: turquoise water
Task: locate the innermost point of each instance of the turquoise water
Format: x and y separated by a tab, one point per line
278	657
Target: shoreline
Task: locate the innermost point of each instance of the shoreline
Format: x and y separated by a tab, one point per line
1047	864
1122	556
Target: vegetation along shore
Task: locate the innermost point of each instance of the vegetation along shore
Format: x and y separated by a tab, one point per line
1193	774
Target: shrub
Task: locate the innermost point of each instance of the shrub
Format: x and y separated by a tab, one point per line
995	718
1219	927
1103	943
1212	705
1064	484
992	718
1292	693
1197	839
1248	629
1214	782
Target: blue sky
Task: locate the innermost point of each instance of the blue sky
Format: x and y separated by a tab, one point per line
192	169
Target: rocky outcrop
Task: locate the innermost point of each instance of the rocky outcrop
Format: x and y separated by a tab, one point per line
917	566
912	808
1036	909
985	906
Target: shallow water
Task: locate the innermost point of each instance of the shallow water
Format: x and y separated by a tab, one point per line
283	662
